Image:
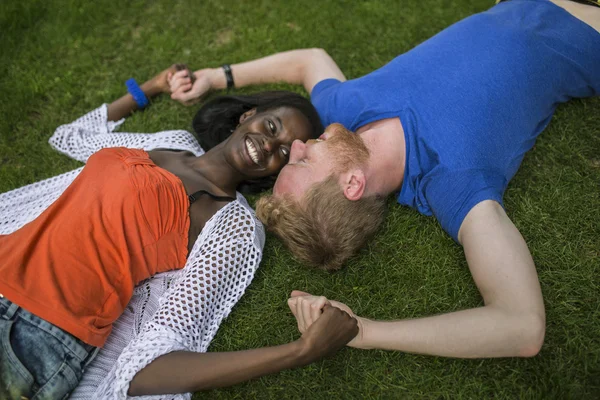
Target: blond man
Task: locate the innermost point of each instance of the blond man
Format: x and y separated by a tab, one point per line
446	126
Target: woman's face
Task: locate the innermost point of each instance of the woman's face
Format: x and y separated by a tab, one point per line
260	145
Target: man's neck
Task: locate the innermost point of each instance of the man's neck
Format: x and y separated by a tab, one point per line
386	143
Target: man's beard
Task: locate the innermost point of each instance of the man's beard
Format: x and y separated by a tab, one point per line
347	149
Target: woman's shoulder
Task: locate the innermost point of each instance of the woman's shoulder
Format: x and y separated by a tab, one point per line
236	221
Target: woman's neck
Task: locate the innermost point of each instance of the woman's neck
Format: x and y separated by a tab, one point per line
213	166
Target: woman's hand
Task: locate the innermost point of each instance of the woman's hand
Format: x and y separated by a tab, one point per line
332	330
189	87
308	309
160	83
125	105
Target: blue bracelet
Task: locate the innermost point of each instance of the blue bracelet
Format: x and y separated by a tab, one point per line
137	93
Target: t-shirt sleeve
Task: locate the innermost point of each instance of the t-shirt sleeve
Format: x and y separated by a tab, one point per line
451	195
351	103
323	97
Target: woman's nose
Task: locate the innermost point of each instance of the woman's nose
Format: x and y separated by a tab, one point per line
270	145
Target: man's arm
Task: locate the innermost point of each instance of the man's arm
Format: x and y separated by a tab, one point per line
305	67
512	321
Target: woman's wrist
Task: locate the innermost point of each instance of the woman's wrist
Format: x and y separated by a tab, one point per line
150	88
299	352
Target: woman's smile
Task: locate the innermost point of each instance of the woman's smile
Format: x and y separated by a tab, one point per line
260	145
253	152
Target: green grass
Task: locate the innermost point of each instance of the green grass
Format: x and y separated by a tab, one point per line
58	62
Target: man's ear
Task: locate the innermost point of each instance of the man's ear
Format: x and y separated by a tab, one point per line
247	115
353	184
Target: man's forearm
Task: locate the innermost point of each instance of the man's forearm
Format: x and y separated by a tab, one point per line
512	322
299	67
480	332
185	371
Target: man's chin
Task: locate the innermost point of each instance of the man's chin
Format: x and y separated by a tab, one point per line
276	189
286	191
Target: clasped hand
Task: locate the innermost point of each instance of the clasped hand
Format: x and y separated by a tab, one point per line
189	87
316	315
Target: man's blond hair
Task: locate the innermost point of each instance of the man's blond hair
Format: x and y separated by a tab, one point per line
327	228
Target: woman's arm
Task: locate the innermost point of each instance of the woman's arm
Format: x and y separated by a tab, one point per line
220	267
79	140
184	371
305	67
125	105
95	130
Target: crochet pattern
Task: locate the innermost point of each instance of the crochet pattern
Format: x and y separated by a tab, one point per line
176	310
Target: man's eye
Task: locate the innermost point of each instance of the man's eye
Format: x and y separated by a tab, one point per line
285	151
271	126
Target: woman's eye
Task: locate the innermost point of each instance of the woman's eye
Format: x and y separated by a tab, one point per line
285	152
271	126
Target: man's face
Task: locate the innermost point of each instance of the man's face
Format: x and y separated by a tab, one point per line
310	163
315	160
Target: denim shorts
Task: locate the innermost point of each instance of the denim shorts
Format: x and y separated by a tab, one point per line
38	360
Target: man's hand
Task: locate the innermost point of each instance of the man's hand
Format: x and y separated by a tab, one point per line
308	309
189	87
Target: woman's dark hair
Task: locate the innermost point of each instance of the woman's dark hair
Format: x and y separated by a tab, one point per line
218	118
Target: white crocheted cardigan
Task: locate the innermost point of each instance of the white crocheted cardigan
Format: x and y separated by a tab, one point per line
177	310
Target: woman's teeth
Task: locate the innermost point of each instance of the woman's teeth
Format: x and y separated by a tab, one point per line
252	151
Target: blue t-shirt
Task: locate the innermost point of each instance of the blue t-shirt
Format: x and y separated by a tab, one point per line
472	101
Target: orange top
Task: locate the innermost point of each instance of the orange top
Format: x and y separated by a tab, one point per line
122	220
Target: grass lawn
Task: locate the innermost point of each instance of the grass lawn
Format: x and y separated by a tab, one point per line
61	59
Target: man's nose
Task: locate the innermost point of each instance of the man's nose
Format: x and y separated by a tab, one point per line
297	150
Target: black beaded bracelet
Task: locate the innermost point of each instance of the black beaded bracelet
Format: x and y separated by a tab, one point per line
228	76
